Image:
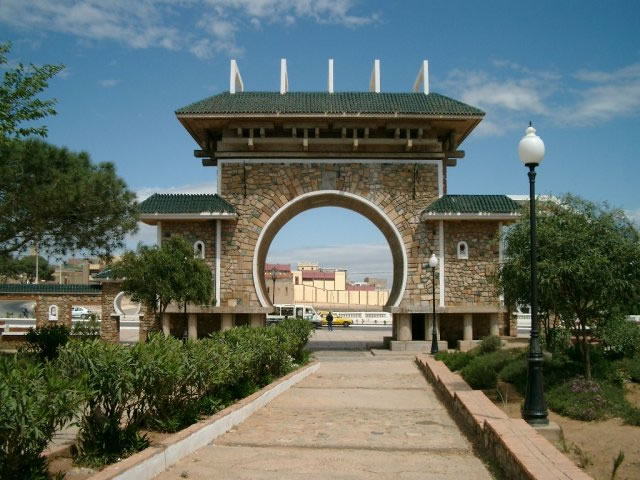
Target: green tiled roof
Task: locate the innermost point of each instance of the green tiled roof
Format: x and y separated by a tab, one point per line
185	203
48	288
330	103
473	204
103	275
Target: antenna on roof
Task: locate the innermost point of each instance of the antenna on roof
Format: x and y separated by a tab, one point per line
235	80
284	78
374	82
330	84
422	80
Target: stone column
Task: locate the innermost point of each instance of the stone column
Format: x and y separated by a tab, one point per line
257	320
394	325
404	326
166	324
192	326
467	327
494	328
227	321
429	327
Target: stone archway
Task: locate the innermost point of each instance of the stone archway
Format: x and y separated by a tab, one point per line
332	198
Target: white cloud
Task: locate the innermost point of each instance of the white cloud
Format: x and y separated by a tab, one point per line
585	98
108	83
634	216
161	23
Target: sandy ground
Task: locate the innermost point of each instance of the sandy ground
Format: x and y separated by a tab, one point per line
594	445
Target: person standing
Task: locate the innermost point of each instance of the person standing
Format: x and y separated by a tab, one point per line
330	321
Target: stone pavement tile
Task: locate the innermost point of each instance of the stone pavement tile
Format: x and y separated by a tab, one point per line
244	463
368	398
381	374
350	428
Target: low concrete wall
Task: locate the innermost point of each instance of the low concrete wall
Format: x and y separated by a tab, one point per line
522	452
154	460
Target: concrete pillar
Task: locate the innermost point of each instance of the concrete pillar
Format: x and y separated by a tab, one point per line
494	328
166	328
404	326
257	320
467	327
227	321
429	327
193	326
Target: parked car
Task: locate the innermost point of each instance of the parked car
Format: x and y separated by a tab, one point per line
337	321
80	312
283	311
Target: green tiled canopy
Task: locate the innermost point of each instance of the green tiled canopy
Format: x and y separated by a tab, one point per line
185	203
470	204
330	103
48	288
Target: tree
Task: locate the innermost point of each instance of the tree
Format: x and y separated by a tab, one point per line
588	266
157	276
18	104
25	267
61	201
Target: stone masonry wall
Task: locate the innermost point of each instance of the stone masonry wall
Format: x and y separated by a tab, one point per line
468	281
193	231
402	191
64	302
109	326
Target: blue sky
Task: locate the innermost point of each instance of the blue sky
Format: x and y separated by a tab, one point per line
573	68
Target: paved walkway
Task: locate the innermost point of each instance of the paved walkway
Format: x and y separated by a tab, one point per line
357	417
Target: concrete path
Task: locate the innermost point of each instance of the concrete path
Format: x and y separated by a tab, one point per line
357	417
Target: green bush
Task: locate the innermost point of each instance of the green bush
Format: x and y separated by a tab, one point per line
455	360
581	399
489	344
45	341
631	367
620	338
515	372
482	371
87	330
113	412
35	401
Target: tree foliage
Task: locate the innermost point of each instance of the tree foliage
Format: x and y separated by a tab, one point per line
18	102
61	201
588	266
156	276
24	268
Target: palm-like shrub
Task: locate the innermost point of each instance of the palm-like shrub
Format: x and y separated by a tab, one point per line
35	401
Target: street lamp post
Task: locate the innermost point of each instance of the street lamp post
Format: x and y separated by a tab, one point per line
531	151
274	276
433	263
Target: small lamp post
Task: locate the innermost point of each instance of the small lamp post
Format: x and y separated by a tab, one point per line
274	276
531	151
433	263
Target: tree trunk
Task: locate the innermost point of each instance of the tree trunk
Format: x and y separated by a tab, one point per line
586	354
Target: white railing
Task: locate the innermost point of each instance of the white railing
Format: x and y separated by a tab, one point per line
9	323
523	324
367	318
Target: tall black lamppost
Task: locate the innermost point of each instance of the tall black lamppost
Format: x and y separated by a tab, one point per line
433	263
274	275
531	151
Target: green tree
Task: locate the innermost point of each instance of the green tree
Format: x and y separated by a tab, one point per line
156	276
26	268
18	102
588	266
61	201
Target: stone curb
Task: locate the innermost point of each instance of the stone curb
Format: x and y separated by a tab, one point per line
156	459
521	452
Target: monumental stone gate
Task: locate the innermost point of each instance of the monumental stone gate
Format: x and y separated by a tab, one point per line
383	155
